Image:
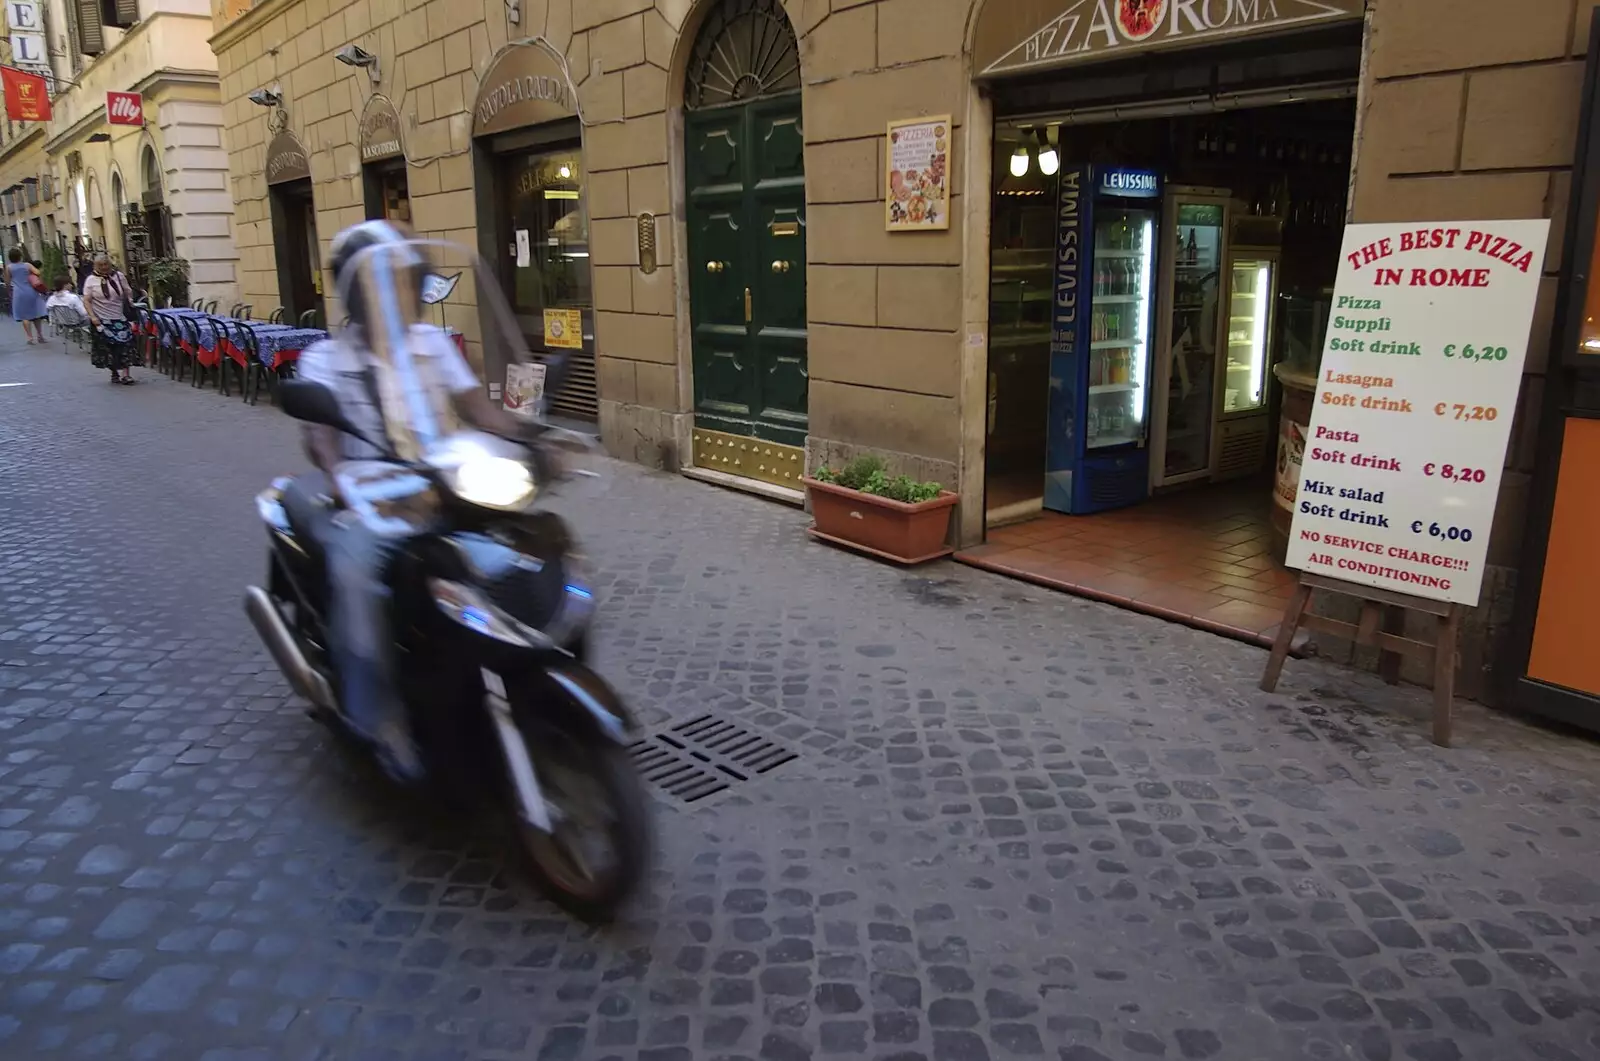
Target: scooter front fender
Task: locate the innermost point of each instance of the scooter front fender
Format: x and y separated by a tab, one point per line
592	698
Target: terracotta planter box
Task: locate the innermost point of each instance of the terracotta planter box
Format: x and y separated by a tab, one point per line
892	530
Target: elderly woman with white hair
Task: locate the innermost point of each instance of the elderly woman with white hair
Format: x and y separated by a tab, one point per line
107	295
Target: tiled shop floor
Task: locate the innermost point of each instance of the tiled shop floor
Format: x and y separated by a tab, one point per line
1202	557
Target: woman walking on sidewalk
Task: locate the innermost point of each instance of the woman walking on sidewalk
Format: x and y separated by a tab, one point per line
27	303
106	294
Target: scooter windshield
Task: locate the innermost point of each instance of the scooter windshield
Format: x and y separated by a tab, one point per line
421	320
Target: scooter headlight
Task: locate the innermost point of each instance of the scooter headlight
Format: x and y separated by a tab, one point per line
492	482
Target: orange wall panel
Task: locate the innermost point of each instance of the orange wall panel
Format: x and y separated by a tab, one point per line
1566	650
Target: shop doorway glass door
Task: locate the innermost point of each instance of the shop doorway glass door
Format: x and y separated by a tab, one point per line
747	253
1197	290
545	233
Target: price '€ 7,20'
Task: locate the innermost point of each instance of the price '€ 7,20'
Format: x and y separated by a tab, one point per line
1459	411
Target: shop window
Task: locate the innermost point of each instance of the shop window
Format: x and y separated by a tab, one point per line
387	193
547	214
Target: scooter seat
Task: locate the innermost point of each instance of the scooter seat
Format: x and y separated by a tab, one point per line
307	502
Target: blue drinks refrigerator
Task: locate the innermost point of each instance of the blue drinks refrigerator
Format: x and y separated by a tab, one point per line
1100	343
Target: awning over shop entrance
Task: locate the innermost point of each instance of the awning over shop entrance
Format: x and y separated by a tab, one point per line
1028	36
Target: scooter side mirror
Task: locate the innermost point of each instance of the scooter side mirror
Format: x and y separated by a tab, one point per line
313	403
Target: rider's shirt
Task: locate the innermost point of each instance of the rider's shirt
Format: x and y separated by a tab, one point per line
342	367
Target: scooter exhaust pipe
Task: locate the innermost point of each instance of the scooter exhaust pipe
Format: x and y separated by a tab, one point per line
274	633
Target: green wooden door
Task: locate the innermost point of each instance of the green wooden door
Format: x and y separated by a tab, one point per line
747	261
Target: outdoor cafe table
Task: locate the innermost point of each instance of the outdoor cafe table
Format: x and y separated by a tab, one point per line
276	344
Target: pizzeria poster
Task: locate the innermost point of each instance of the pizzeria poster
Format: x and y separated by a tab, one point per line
563	329
917	196
1415	396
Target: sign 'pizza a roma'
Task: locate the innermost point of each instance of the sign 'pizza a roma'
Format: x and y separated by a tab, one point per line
1015	35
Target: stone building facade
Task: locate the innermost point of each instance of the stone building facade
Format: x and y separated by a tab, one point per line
83	179
852	337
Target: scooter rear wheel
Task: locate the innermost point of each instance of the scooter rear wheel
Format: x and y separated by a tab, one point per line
595	797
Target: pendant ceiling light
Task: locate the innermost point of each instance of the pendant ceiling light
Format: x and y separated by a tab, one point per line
1019	161
1049	161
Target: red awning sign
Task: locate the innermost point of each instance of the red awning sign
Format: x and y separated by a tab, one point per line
27	97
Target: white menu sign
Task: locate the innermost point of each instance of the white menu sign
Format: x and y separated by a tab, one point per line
1418	387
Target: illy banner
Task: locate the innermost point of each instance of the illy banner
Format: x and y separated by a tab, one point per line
27	96
124	108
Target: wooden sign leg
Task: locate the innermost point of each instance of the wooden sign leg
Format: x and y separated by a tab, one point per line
1444	676
1388	609
1285	638
1394	622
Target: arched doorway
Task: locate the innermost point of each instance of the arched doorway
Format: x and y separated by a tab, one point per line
96	230
745	177
117	224
158	233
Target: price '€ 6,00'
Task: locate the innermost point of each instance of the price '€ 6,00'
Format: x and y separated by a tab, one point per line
1422	363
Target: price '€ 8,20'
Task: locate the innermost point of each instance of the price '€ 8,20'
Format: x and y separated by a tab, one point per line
1455	473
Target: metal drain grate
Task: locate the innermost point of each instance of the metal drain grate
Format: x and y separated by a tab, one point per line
702	756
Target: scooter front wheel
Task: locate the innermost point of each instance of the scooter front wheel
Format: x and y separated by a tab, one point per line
592	860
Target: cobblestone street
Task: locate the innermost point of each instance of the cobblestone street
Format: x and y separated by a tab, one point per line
1018	824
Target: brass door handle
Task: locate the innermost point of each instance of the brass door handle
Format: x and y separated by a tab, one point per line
747	305
780	266
715	267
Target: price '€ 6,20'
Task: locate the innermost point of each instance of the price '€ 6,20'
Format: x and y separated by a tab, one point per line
1476	353
1388	495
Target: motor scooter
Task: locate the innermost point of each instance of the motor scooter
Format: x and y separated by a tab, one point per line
490	614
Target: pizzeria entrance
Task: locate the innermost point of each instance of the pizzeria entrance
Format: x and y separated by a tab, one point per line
1165	232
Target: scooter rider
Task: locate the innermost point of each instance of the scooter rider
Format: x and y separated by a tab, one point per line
379	270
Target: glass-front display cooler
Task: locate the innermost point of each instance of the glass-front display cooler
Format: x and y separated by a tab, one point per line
1095	454
1243	426
1250	305
1195	246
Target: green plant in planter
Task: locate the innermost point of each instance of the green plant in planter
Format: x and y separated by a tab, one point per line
169	279
55	264
868	474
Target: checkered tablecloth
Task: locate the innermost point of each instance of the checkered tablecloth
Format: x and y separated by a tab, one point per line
277	343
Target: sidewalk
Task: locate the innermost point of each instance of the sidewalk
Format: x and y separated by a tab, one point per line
1016	824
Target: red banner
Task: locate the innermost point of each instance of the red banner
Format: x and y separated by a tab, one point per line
27	98
124	108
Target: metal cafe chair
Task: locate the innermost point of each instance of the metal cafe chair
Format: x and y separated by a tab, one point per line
276	316
308	319
70	325
169	351
148	339
258	375
239	355
191	343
